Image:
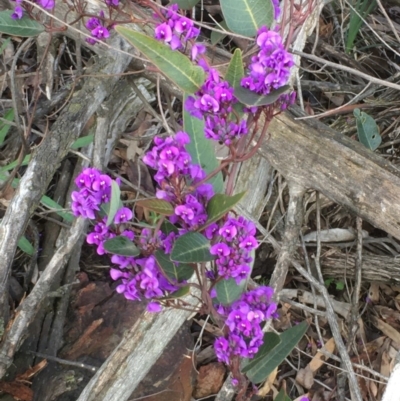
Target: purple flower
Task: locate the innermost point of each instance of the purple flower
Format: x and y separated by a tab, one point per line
220	249
18	13
197	49
153	307
112	3
123	215
163	32
47	4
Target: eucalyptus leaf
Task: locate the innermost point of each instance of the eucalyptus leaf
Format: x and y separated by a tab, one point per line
201	149
47	201
367	129
82	142
26	246
246	17
121	245
159	206
229	291
173	270
186	4
191	247
4	127
250	98
175	65
115	202
24	27
275	357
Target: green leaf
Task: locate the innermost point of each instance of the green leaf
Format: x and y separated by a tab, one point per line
185	4
270	341
82	142
178	294
46	201
4	45
20	27
340	285
218	36
246	17
250	98
201	149
175	65
191	248
25	246
14	164
4	127
167	227
220	204
115	202
178	272
235	71
368	131
159	206
229	291
282	396
121	245
274	358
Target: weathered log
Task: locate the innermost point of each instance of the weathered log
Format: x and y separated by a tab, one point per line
315	156
375	268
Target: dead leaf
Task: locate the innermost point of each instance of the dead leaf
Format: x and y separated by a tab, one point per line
319	358
32	371
18	390
267	386
305	377
373	293
386	329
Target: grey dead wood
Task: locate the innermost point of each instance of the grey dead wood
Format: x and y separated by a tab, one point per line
45	160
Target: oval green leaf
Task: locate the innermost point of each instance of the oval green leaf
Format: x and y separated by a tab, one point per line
274	358
270	341
26	246
186	4
178	272
115	202
202	149
159	206
367	129
24	27
282	396
183	291
215	36
191	248
167	227
176	66
220	204
229	291
235	71
250	98
121	245
246	17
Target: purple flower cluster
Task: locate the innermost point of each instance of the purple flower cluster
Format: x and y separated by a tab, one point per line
97	29
235	241
143	278
243	324
95	189
19	12
174	170
270	68
177	30
214	101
